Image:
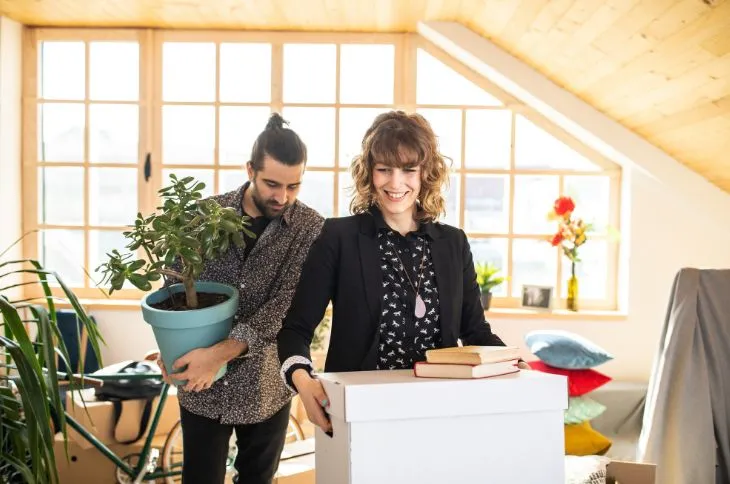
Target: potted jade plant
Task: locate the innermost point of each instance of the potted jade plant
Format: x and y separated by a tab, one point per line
176	241
487	279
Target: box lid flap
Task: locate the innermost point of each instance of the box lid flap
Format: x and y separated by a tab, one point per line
398	394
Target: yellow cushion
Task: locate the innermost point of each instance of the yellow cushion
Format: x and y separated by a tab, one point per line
582	439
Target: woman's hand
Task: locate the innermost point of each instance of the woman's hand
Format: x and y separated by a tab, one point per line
314	399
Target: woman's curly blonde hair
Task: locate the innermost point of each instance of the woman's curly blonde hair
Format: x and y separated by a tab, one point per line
399	139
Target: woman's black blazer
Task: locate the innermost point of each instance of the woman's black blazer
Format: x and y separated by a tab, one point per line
343	266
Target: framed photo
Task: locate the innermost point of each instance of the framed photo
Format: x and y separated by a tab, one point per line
539	298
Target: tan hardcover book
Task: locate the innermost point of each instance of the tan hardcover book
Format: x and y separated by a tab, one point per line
445	370
472	355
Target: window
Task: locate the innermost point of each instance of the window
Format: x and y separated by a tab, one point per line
508	166
192	103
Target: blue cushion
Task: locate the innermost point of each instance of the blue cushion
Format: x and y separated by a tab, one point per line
563	349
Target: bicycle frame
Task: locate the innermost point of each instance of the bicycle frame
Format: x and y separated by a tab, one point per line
109	454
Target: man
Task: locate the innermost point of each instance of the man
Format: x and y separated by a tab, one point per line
251	399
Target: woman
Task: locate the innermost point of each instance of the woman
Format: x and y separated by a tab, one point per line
400	282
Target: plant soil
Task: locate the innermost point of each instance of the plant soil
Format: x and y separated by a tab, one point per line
177	301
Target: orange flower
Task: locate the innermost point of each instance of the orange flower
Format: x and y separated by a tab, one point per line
564	206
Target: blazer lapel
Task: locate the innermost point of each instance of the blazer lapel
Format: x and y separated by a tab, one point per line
441	264
372	274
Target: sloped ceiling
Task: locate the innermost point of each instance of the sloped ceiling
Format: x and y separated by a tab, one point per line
659	67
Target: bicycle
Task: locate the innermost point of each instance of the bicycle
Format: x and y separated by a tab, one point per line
153	463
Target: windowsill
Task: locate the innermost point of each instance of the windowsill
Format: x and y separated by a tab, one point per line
105	304
493	313
581	315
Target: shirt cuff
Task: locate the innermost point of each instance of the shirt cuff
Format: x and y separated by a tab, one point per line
244	334
292	364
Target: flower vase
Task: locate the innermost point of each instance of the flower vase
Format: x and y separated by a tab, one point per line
572	301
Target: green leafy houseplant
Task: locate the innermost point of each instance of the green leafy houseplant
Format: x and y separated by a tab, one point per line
487	279
29	378
177	241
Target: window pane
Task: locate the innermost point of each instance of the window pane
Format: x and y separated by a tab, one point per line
309	73
113	133
114	71
534	262
205	176
188	134
316	128
592	270
488	138
112	196
239	127
245	72
358	62
102	242
345	189
61	133
188	71
537	149
354	122
487	202
61	196
446	124
317	191
432	77
451	194
493	251
592	199
229	180
534	197
63	251
62	72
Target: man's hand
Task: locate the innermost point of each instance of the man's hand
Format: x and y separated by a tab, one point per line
202	364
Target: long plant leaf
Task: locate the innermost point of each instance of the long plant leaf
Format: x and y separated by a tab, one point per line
94	336
32	389
19	466
5	251
46	336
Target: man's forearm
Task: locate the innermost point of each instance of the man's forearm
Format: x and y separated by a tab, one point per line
229	349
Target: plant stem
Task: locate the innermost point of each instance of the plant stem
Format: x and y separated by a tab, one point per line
171	273
191	297
572	268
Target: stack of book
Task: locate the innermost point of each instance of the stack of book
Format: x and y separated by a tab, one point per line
468	362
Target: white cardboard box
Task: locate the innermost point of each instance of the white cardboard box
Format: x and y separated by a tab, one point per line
391	427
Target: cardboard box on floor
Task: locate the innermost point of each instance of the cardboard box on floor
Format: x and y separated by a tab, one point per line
298	470
622	472
98	417
88	465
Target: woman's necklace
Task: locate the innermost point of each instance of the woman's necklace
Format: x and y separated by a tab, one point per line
420	309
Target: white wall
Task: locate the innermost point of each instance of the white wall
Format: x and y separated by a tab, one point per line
10	139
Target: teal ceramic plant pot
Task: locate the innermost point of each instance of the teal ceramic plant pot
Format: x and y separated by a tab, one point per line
178	332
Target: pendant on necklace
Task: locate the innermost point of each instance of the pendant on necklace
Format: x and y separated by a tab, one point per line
420	307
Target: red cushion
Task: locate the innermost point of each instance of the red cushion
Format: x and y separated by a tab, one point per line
580	382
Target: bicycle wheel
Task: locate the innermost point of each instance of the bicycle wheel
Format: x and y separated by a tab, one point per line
172	454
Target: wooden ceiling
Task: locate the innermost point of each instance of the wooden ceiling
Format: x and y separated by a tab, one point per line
659	67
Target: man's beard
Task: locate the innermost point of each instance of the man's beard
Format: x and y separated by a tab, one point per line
263	206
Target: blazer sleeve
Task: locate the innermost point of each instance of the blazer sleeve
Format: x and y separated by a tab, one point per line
475	329
314	292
